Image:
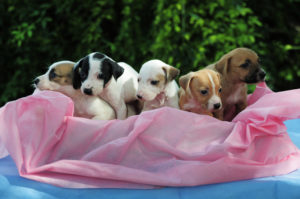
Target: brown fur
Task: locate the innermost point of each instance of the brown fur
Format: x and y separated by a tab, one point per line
162	80
170	73
63	74
234	78
191	86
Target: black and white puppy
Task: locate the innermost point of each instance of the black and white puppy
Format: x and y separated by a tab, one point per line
99	75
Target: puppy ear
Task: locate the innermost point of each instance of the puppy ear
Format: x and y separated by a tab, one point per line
218	75
223	65
170	73
185	80
111	69
117	70
76	75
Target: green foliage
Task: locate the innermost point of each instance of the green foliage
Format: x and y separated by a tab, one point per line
279	45
193	35
184	33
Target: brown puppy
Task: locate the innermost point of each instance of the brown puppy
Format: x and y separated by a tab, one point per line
200	92
238	68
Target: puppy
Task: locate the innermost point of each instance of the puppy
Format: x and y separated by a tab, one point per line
200	92
157	87
59	78
238	68
99	75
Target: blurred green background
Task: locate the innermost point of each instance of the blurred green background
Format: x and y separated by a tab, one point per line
186	34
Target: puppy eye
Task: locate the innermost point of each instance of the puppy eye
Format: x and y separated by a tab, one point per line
220	90
203	92
52	74
154	82
139	79
245	65
82	75
100	76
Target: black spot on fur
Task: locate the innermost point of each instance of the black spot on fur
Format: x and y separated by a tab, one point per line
110	69
85	69
98	56
80	72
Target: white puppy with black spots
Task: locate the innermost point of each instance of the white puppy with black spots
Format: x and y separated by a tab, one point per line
99	75
157	87
59	78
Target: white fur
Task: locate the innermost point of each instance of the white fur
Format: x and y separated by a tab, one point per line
117	92
236	95
192	104
214	99
84	105
156	96
92	82
128	82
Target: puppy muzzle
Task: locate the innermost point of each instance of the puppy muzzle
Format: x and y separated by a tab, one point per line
88	91
146	96
257	76
214	103
139	97
217	106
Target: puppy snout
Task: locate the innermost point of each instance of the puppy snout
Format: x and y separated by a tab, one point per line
217	106
262	75
88	91
139	96
36	81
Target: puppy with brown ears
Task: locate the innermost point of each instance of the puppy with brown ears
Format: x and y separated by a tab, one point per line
238	68
156	85
59	78
200	92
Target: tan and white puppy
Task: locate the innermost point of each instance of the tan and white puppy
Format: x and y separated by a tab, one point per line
238	68
200	92
59	78
156	85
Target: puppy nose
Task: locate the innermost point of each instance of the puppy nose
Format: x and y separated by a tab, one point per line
88	91
217	106
262	75
139	96
36	81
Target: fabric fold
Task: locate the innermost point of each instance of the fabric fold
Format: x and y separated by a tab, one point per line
162	147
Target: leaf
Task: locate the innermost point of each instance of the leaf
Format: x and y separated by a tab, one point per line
288	47
11	8
29	33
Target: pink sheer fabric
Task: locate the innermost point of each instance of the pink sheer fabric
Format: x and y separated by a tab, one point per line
163	147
